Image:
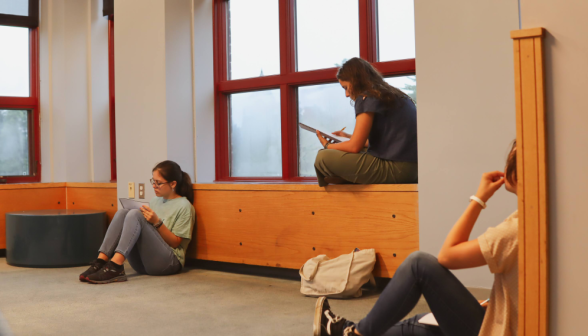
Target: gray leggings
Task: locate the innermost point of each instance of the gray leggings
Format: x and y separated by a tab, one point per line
139	242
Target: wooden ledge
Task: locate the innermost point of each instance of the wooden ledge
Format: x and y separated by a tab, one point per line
98	185
15	186
526	33
31	185
312	187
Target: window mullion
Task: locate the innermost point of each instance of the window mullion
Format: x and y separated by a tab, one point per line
368	30
287	93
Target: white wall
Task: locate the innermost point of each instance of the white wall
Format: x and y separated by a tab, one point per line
99	93
74	91
140	90
566	68
204	91
178	67
466	114
154	89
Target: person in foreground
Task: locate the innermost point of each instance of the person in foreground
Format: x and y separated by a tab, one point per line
154	239
454	307
385	123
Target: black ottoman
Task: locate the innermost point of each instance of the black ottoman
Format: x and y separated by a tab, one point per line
54	238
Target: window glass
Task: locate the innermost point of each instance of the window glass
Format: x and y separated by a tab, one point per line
14	7
14	143
327	33
325	108
14	61
405	83
254	38
396	38
255	131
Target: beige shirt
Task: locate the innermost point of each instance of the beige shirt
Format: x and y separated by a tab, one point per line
500	247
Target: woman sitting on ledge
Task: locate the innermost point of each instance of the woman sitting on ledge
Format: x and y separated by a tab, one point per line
385	123
456	310
154	239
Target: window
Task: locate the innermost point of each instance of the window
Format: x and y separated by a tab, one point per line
325	108
405	83
19	93
254	40
14	62
395	30
255	134
324	41
275	66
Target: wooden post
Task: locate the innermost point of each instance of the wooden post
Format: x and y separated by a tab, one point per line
532	182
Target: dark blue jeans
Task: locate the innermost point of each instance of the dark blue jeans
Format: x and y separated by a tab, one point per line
139	242
457	311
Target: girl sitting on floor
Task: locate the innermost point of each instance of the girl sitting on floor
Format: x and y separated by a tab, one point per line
154	239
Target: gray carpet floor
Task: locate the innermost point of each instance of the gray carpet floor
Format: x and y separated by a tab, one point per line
196	302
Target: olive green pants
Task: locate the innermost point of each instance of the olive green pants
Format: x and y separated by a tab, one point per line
363	168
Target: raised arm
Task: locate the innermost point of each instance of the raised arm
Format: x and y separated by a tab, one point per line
458	251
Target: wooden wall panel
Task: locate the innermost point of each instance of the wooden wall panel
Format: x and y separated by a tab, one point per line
41	196
46	196
93	196
532	182
278	228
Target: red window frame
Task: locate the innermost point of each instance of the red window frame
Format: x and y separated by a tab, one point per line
287	81
29	103
111	105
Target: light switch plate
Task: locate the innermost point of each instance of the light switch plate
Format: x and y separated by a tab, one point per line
142	190
131	190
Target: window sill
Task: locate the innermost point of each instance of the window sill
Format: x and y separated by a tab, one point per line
57	185
305	186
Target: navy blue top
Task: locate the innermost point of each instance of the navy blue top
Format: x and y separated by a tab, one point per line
394	131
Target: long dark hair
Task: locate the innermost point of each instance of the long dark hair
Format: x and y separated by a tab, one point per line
171	171
511	164
366	80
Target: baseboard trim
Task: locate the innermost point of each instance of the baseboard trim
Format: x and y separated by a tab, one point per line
265	271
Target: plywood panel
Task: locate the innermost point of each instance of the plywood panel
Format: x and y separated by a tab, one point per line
286	228
28	198
93	199
532	182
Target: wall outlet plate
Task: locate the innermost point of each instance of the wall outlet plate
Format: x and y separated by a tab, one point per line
131	190
142	190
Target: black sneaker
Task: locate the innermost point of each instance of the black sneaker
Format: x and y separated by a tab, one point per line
94	267
328	324
111	272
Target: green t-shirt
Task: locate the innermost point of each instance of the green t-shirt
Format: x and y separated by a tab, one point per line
178	216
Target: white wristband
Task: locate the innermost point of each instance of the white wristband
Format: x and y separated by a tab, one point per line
479	201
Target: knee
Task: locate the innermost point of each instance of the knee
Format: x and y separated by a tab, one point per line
320	156
418	260
323	157
122	213
135	214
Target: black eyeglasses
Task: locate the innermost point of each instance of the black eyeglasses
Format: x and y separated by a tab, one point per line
156	183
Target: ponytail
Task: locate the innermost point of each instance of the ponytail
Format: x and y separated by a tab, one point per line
171	171
184	188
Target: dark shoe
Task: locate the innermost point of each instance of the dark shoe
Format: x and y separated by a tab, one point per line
95	266
335	180
328	324
111	272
